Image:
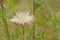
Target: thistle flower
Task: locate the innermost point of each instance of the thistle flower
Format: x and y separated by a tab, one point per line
22	18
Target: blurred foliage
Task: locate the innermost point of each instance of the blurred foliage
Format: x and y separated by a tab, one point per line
47	25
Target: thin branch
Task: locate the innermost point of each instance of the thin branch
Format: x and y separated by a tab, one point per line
4	19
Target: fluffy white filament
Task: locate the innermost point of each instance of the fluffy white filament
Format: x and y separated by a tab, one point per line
22	18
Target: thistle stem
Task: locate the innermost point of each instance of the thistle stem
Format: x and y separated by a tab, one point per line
23	32
33	26
4	20
33	33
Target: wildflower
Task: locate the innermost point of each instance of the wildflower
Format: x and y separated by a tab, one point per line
22	18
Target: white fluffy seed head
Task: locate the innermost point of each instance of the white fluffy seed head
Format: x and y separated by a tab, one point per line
23	18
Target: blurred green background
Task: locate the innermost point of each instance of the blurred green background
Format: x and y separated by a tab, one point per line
47	15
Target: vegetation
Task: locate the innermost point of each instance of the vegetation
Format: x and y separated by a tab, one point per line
45	27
